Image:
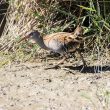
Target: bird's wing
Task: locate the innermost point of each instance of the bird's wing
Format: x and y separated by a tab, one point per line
62	40
60	36
57	37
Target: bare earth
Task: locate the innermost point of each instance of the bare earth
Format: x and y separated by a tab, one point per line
30	87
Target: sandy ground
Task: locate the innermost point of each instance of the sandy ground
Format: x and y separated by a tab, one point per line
30	87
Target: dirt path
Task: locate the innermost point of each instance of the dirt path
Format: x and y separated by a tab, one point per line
31	87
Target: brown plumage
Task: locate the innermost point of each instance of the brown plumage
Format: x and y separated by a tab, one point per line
61	42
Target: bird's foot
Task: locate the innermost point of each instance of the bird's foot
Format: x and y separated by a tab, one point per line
53	67
83	67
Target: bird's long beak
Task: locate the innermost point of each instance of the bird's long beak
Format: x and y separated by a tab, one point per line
24	38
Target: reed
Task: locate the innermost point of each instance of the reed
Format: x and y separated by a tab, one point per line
49	16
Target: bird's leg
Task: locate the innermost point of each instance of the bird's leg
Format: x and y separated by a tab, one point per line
81	56
57	65
61	61
84	63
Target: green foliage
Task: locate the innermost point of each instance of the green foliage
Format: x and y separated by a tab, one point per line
57	16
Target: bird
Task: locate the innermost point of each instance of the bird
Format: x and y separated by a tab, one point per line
63	43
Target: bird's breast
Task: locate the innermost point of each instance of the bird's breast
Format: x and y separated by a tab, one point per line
54	45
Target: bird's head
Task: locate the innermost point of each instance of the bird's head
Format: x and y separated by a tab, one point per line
33	36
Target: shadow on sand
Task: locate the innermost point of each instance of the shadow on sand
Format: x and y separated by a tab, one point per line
89	69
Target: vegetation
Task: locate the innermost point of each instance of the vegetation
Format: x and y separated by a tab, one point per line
50	16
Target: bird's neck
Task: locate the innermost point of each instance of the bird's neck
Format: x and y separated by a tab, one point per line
40	42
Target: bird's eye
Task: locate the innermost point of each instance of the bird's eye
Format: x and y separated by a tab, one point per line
31	34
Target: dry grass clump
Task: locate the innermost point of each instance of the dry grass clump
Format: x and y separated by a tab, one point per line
19	21
50	16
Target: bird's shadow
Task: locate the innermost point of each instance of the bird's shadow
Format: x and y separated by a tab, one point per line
89	69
